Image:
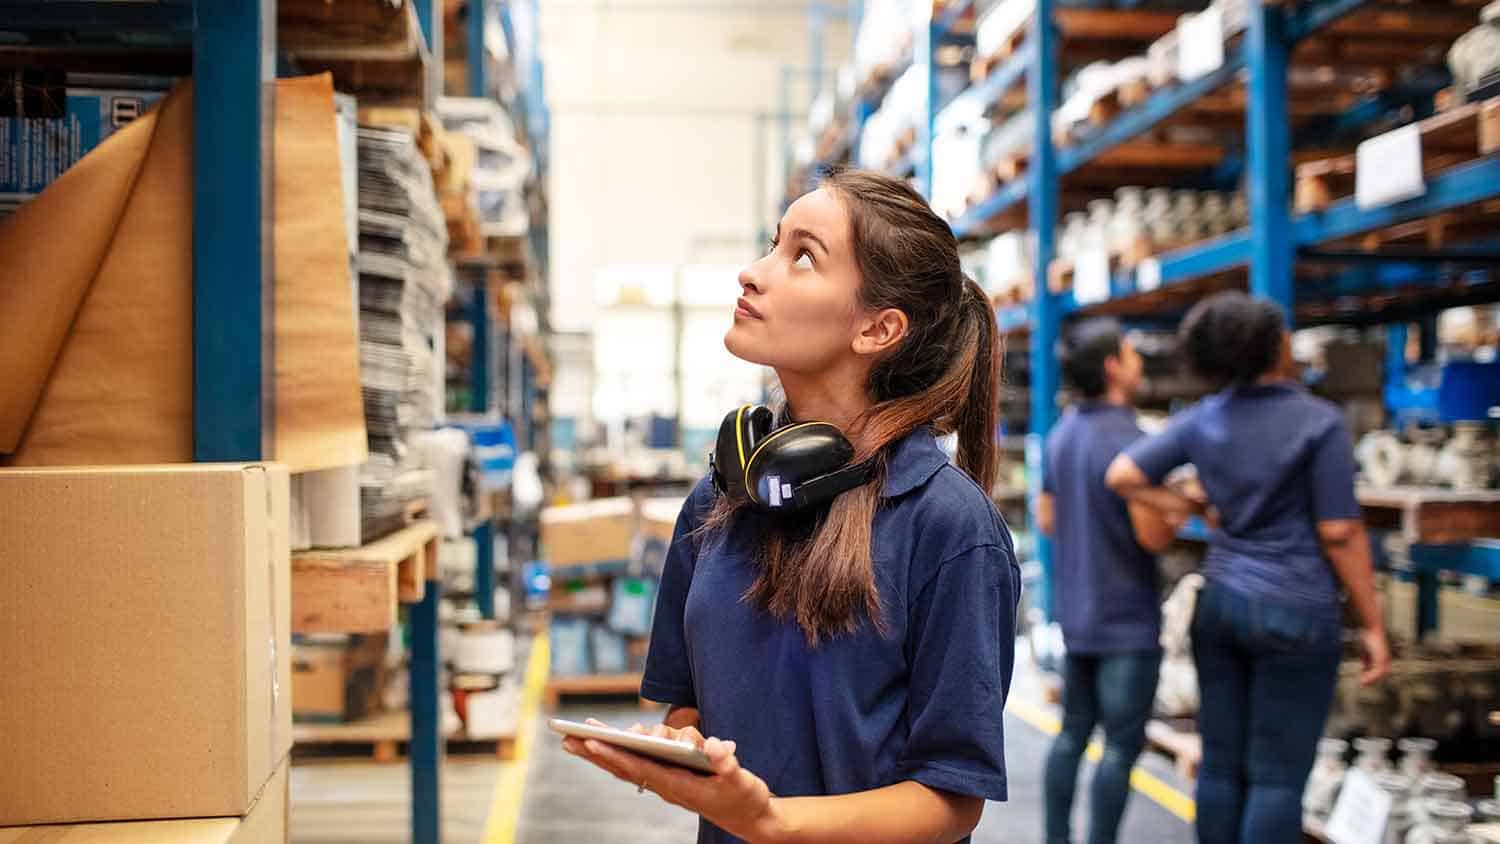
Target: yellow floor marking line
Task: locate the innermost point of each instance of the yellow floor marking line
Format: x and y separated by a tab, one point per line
505	810
1141	780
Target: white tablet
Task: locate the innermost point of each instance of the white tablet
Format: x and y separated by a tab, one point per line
680	753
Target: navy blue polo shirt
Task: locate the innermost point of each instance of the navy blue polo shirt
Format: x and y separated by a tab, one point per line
1106	595
1274	460
861	711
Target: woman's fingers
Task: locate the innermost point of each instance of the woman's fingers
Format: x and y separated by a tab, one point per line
661	731
691	734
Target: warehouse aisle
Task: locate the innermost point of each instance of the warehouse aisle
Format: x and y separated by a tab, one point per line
567	801
368	803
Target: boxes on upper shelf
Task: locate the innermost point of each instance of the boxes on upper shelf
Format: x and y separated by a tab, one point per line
264	823
147	654
336	677
592	532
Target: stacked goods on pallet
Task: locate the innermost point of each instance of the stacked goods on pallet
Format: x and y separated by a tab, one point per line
120	583
605	559
337	677
481	676
404	280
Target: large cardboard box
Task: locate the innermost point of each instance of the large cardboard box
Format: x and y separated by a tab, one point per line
593	532
265	823
144	612
337	678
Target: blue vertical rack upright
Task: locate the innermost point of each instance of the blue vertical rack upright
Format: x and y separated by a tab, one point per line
1267	250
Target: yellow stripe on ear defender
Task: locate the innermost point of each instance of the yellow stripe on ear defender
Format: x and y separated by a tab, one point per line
739	435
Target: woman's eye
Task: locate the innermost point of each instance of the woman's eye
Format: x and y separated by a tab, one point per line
804	260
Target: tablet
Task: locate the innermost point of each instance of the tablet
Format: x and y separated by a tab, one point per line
680	753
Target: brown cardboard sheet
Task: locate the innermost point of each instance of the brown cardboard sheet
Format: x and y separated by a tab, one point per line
96	295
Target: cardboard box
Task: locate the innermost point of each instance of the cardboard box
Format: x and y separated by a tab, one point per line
337	678
265	823
659	517
592	532
145	613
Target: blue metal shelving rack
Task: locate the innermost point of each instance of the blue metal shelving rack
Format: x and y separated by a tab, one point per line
234	49
1269	248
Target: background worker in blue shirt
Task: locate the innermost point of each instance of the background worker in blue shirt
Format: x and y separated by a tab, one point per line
1105	591
852	665
1278	466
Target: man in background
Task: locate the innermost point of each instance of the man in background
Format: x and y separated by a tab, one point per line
1104	586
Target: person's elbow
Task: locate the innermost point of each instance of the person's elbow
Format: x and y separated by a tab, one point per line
1123	476
966	814
1340	533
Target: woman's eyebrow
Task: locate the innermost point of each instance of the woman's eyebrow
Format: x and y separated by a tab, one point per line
804	234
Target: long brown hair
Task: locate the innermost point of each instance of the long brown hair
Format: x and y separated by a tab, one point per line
944	374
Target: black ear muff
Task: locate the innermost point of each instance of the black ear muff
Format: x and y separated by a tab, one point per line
741	431
801	467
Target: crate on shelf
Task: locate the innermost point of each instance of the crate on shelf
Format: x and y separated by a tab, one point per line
1449	138
595	685
1179	740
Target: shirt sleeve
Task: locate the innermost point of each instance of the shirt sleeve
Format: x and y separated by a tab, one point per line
1333	475
961	647
669	672
1159	454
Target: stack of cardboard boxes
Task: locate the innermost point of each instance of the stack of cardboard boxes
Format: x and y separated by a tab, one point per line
605	558
145	614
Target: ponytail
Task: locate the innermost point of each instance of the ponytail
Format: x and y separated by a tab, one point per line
979	418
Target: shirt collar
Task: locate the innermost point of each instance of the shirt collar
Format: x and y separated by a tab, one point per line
913	460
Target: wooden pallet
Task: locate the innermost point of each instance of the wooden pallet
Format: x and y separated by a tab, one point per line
355	590
372	48
1182	744
595	685
383	738
1452	137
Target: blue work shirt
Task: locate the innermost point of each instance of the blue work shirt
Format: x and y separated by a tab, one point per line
859	711
1274	460
1106	595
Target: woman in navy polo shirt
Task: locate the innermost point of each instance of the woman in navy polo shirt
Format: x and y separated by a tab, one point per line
852	666
1278	465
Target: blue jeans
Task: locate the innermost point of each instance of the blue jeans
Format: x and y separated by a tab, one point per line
1115	691
1266	672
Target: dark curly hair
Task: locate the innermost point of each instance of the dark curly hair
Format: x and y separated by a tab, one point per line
1231	338
1085	349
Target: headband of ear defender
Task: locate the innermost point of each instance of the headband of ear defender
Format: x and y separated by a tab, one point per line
793	469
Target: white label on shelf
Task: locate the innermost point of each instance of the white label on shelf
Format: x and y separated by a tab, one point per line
1360	813
1148	275
1091	277
1200	44
1388	168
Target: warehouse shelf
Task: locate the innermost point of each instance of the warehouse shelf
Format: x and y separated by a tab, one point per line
1319	265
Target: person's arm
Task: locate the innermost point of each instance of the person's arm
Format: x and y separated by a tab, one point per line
681	717
1154	530
1341	531
1130	482
668	677
1046	513
738	802
1347	546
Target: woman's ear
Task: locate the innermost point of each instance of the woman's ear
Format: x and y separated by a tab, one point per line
880	332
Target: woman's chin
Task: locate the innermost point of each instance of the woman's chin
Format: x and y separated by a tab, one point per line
744	348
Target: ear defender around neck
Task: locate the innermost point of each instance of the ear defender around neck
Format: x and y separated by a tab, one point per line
794	469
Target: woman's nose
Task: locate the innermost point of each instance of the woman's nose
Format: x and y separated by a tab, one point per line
750	280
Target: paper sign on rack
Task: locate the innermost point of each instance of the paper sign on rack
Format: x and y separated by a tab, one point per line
1388	168
1148	275
1091	277
1200	44
1360	814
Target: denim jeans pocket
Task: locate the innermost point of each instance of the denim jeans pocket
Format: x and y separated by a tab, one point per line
1285	629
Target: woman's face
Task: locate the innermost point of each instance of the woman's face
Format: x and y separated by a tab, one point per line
799	309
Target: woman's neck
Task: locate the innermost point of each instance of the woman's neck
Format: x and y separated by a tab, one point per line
835	397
